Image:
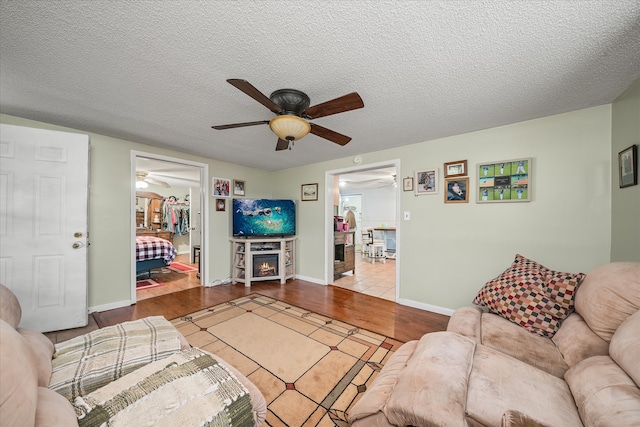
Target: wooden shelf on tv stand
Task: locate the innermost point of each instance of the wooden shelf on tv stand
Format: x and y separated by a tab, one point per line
242	257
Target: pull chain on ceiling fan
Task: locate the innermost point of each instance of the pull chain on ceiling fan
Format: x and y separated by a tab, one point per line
293	113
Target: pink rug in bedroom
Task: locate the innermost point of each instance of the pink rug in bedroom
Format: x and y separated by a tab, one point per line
147	283
182	268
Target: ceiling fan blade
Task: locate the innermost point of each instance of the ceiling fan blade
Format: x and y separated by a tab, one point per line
250	90
329	134
239	125
348	102
157	182
282	144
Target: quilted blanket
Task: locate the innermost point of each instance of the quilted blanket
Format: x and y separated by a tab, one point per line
151	247
88	362
189	388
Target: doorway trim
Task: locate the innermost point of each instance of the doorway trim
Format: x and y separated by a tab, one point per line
328	213
204	207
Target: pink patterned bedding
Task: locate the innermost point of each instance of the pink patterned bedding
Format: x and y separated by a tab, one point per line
150	247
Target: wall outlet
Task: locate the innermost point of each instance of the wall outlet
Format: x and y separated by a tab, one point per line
407	215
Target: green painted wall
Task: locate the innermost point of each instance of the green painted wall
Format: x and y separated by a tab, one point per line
447	251
625	206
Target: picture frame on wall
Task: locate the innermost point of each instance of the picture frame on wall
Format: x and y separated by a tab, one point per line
221	205
457	168
426	182
407	184
309	192
628	166
457	190
504	181
239	187
221	187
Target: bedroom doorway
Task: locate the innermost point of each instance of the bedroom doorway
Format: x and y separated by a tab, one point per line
168	202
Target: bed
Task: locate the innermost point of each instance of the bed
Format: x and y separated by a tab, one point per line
153	252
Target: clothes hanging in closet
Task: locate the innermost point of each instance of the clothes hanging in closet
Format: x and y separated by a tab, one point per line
175	216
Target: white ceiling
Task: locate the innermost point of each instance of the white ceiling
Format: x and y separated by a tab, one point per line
155	71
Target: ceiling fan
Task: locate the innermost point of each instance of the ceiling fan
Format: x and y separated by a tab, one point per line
293	114
143	180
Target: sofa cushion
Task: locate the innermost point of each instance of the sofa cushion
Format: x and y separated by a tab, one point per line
604	394
576	341
608	295
499	383
625	346
54	410
531	295
511	339
43	351
189	388
88	362
433	386
370	406
10	310
19	384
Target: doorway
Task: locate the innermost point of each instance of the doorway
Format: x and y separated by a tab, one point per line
371	188
169	203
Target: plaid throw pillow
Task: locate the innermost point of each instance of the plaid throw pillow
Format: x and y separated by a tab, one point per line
531	295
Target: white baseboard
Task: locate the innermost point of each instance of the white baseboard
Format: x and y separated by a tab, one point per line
110	306
310	279
427	307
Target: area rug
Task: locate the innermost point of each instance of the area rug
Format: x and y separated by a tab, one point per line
310	368
181	268
147	283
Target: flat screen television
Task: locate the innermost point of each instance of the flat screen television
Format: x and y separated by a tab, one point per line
264	218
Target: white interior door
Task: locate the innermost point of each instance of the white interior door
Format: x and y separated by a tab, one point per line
43	224
195	219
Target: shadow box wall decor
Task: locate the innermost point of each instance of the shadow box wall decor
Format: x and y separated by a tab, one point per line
504	181
426	182
221	187
239	187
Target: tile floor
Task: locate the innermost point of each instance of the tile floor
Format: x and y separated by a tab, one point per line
375	279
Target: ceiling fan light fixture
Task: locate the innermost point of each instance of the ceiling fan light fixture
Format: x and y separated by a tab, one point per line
141	184
290	128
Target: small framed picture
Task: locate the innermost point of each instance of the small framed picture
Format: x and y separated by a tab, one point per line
221	205
426	182
628	166
238	187
309	192
407	184
457	168
457	190
221	187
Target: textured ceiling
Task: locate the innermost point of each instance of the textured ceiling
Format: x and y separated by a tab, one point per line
154	71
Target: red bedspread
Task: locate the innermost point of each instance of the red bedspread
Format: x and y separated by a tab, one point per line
150	247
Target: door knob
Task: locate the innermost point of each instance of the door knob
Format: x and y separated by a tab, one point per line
76	245
77	234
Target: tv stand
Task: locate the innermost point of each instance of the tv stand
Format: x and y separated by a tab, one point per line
259	259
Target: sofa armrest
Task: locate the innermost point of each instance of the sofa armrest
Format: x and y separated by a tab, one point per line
432	389
467	321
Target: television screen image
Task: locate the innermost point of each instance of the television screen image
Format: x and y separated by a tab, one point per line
264	217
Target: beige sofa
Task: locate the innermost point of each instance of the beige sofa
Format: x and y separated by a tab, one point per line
487	371
135	373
